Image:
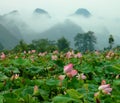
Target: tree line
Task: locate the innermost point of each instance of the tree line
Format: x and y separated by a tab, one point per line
83	42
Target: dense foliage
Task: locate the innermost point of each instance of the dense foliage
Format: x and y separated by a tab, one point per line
40	45
63	44
31	77
85	41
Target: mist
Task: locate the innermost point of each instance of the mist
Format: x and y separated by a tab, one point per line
29	26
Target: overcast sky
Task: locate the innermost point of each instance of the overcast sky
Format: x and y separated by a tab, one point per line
102	8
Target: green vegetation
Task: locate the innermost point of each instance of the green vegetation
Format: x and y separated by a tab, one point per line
47	71
83	42
57	77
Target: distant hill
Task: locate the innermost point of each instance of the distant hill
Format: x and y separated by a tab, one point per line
6	38
67	29
11	21
82	12
40	12
14	12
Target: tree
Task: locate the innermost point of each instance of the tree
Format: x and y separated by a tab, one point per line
111	41
43	45
91	39
52	46
63	44
79	41
22	46
85	41
40	45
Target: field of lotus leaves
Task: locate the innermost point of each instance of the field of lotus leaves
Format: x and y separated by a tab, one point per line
57	77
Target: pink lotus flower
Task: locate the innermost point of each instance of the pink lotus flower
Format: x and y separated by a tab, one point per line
42	54
72	73
25	52
81	76
16	57
29	52
55	52
33	51
96	94
102	87
69	75
32	56
97	52
68	68
16	76
110	54
78	55
54	57
108	57
117	76
35	90
45	53
61	77
68	55
105	87
103	82
107	90
3	56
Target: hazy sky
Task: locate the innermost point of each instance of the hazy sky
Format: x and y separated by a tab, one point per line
56	8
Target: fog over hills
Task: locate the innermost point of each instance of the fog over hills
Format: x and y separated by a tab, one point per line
66	29
40	24
10	21
6	38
